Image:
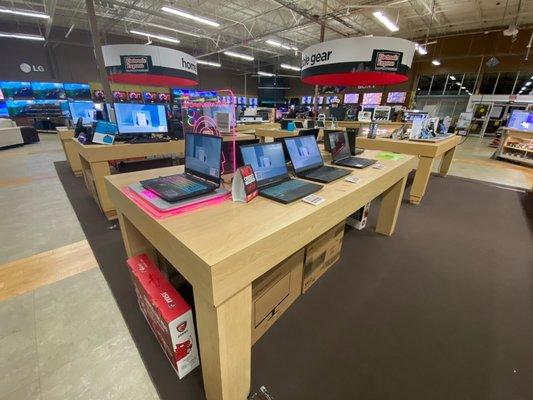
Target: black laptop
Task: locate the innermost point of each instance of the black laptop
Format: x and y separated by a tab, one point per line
326	138
352	140
298	124
307	160
340	152
202	170
271	173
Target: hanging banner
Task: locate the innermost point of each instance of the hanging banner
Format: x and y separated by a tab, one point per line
149	65
358	61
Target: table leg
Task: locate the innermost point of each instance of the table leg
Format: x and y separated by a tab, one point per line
134	241
225	340
446	161
100	170
390	207
423	171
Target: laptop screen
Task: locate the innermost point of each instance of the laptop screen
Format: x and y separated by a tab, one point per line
203	156
267	160
298	124
338	142
304	152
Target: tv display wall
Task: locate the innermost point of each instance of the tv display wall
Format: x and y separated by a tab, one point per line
396	97
48	91
16	90
372	98
77	91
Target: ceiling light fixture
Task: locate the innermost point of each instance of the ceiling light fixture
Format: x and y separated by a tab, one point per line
261	73
421	49
463	87
210	63
281	45
21	36
391	26
435	62
184	14
452	77
291	67
239	55
153	36
528	83
25	13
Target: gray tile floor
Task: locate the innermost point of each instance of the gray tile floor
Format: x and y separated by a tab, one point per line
68	340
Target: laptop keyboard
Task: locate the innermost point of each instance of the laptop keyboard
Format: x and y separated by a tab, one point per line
358	162
178	185
292	189
326	173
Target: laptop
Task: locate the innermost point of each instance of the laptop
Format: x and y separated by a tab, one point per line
340	152
202	170
284	124
309	132
352	140
326	138
307	160
298	124
271	173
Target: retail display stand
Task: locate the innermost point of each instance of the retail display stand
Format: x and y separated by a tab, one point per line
66	137
516	146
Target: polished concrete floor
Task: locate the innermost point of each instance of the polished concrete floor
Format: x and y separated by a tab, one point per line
67	339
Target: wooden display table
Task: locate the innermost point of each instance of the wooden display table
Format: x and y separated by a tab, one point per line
256	125
357	124
66	137
516	146
427	152
262	134
95	159
221	249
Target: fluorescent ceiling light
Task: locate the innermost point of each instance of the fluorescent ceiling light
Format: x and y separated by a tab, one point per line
211	64
21	36
435	62
452	77
239	55
421	49
264	73
391	26
291	67
158	37
463	87
25	13
528	83
184	14
280	45
273	43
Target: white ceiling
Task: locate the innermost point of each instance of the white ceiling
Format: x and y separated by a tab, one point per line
246	24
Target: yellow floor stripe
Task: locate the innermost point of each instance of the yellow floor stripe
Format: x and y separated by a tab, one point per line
21	276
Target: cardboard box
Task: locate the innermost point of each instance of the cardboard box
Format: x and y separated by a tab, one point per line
168	315
321	254
274	292
359	218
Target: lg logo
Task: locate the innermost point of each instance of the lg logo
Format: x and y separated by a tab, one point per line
27	68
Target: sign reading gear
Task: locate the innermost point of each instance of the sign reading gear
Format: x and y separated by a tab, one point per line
359	61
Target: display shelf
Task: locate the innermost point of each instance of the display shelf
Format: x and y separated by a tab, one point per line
517	159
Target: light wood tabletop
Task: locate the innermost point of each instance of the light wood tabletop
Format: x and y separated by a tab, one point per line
66	137
427	152
221	249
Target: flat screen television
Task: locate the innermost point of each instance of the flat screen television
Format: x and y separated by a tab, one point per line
135	119
16	90
3	110
150	97
120	96
99	95
48	91
351	98
18	108
252	101
1	94
77	91
521	120
163	98
372	98
396	97
83	109
134	97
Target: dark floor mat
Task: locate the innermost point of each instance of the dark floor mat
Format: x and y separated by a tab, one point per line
443	309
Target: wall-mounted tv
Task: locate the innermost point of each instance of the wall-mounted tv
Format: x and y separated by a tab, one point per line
4	113
17	90
252	101
48	91
135	97
372	98
150	97
163	97
18	108
396	97
77	91
351	98
1	94
99	95
119	96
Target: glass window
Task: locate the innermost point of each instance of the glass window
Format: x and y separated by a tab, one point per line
437	87
488	82
423	85
453	85
468	84
523	79
505	83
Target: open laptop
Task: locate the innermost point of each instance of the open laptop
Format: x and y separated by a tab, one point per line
202	170
307	160
340	152
271	173
298	124
352	140
326	138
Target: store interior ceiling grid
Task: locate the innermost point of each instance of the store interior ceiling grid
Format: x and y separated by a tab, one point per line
246	24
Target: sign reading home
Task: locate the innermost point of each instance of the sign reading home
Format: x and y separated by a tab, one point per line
136	64
361	61
149	65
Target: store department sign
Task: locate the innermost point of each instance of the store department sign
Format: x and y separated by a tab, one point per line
362	61
149	65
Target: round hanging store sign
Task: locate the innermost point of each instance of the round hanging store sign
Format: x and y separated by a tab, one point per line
149	65
358	61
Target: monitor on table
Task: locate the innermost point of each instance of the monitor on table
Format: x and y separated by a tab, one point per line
138	119
84	110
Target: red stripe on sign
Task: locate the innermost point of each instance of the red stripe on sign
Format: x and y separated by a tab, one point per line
356	79
151	80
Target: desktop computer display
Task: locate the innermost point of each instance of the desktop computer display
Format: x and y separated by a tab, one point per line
140	118
202	156
521	120
83	109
